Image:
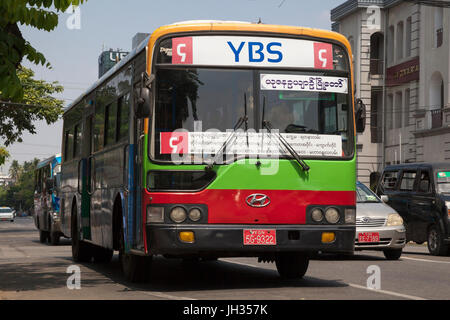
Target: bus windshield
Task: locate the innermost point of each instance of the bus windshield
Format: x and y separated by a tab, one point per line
285	86
201	99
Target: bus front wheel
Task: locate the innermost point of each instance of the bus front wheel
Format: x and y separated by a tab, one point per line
135	268
292	265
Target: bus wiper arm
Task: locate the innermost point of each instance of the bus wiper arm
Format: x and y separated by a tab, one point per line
239	123
286	144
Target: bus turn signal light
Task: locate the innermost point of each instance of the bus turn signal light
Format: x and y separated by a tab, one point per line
187	236
328	237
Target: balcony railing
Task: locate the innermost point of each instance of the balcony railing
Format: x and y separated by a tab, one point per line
439	37
436	118
376	66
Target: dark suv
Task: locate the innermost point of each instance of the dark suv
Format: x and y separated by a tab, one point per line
420	193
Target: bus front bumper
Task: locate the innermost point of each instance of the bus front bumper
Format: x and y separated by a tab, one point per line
228	240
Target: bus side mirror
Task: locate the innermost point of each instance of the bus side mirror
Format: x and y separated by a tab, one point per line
144	97
360	116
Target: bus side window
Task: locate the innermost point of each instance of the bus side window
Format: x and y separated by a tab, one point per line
99	127
110	123
68	145
77	141
122	117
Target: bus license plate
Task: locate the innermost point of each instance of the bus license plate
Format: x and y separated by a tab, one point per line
260	237
369	237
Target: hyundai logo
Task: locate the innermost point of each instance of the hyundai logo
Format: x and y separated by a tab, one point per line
258	200
365	219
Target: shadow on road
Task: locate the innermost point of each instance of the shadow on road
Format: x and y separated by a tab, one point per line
172	275
27	276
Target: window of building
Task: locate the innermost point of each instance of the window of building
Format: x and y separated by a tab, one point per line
438	27
398	109
391	39
436	99
407	182
375	116
406	109
389	112
399	40
408	33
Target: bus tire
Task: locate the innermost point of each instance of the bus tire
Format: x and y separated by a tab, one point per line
292	265
81	251
54	238
43	236
135	268
102	255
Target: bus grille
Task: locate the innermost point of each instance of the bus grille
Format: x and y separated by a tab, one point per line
373	222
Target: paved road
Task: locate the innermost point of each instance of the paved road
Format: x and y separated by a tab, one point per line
31	270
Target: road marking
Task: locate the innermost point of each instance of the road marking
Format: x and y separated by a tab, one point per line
244	264
167	296
425	260
392	293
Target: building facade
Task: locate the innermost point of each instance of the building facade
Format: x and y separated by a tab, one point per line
401	62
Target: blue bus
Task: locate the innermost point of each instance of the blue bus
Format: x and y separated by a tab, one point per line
46	199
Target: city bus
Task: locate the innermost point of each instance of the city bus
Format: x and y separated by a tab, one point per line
46	199
215	139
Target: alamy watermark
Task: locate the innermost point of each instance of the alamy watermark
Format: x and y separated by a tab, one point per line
73	22
374	280
373	18
74	280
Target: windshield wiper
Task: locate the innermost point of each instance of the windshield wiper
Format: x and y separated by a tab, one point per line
266	124
239	123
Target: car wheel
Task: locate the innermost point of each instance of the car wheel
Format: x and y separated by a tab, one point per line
81	251
436	245
292	265
392	254
135	268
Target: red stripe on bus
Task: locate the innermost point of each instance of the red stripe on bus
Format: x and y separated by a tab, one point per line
230	206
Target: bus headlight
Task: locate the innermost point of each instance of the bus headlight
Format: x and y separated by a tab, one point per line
178	214
394	219
195	214
332	215
317	215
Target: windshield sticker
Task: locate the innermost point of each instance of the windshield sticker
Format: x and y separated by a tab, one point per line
291	82
443	175
250	143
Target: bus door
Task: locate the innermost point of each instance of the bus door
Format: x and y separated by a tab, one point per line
85	177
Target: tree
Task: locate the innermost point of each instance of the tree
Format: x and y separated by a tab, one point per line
37	104
4	154
20	100
21	193
40	14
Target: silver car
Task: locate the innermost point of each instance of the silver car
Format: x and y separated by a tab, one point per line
378	226
7	214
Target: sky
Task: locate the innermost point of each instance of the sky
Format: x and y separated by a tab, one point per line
74	52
